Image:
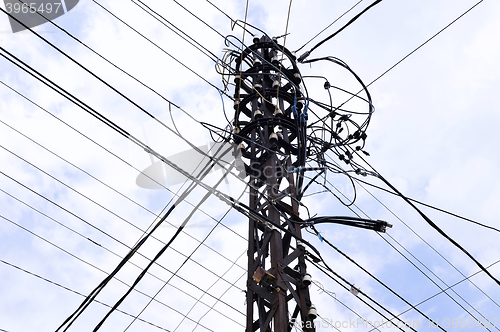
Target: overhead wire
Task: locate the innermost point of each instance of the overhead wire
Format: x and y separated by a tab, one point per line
84	261
428	205
392	291
73	291
417	48
306	54
430	270
449	287
186	259
335	21
323	290
124	161
134	264
157	46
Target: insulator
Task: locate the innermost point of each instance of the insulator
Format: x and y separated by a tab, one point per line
312	314
258	114
273	138
307	280
275	60
278	112
297	76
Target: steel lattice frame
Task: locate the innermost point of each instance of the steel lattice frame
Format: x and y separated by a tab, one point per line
271	142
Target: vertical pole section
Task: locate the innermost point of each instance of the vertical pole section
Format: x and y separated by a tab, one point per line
268	139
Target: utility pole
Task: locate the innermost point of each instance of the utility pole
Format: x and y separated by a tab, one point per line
270	119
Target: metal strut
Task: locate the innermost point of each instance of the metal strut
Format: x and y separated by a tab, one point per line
270	142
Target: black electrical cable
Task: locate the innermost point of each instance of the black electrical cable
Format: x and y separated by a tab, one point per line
428	205
163	267
73	291
83	261
229	17
376	279
449	287
310	40
305	55
323	290
420	46
430	246
330	273
69	321
124	161
158	255
160	48
436	227
177	31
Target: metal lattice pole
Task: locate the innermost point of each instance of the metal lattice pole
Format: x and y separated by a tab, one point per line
271	145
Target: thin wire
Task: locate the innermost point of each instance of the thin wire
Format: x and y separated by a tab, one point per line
421	238
121	257
323	290
310	40
159	47
409	54
90	264
208	215
73	291
282	51
428	205
212	56
449	287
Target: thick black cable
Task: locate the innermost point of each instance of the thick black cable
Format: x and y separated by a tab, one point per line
305	55
416	49
142	255
449	287
436	227
127	163
428	205
435	283
429	269
73	291
428	244
327	271
83	261
376	279
335	21
69	321
161	49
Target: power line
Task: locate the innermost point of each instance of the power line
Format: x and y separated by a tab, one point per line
161	266
73	291
376	279
428	205
422	264
409	54
427	243
130	165
161	49
306	54
84	261
335	21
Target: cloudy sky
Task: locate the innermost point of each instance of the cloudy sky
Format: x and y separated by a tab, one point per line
71	206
